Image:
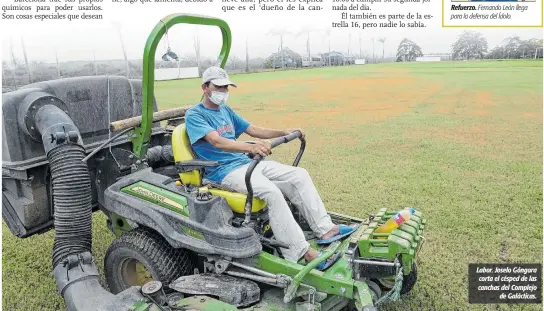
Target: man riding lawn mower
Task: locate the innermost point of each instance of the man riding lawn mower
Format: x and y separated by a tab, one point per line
213	128
203	221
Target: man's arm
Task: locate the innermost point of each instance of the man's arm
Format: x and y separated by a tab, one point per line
243	126
264	133
219	142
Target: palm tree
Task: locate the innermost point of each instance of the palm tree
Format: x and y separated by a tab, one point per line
247	57
328	33
118	27
360	47
373	57
306	30
280	33
382	40
196	45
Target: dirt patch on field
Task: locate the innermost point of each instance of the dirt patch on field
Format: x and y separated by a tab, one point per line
272	86
337	103
459	101
251	87
443	109
481	113
469	135
474	135
484	99
360	100
533	116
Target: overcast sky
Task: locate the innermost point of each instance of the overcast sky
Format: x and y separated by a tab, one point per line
77	40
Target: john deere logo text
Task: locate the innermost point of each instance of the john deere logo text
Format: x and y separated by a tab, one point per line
157	197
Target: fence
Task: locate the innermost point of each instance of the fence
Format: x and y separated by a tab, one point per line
18	75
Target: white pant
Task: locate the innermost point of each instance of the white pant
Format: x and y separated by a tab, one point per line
270	182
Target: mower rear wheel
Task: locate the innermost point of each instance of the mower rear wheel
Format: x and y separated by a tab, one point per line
142	255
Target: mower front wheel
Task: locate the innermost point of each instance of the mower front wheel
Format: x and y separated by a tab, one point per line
142	255
407	284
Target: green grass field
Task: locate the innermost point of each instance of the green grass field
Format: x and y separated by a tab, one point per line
459	141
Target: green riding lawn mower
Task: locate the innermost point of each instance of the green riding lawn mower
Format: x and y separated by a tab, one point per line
79	145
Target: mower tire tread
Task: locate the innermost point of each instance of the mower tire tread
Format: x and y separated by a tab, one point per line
164	262
409	280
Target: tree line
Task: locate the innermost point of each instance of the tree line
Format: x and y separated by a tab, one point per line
469	45
473	45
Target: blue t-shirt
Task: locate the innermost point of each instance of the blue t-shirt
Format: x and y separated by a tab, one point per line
200	121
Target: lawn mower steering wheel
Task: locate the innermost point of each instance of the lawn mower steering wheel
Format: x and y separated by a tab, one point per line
276	142
257	158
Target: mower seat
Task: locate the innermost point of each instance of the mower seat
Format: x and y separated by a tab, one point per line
184	156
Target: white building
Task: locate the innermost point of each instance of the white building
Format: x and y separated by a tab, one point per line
313	61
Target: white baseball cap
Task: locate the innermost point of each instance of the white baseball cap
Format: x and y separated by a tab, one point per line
217	76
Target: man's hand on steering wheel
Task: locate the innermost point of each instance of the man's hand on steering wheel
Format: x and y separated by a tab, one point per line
263	148
289	131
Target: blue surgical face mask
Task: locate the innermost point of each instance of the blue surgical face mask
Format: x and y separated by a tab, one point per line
219	98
